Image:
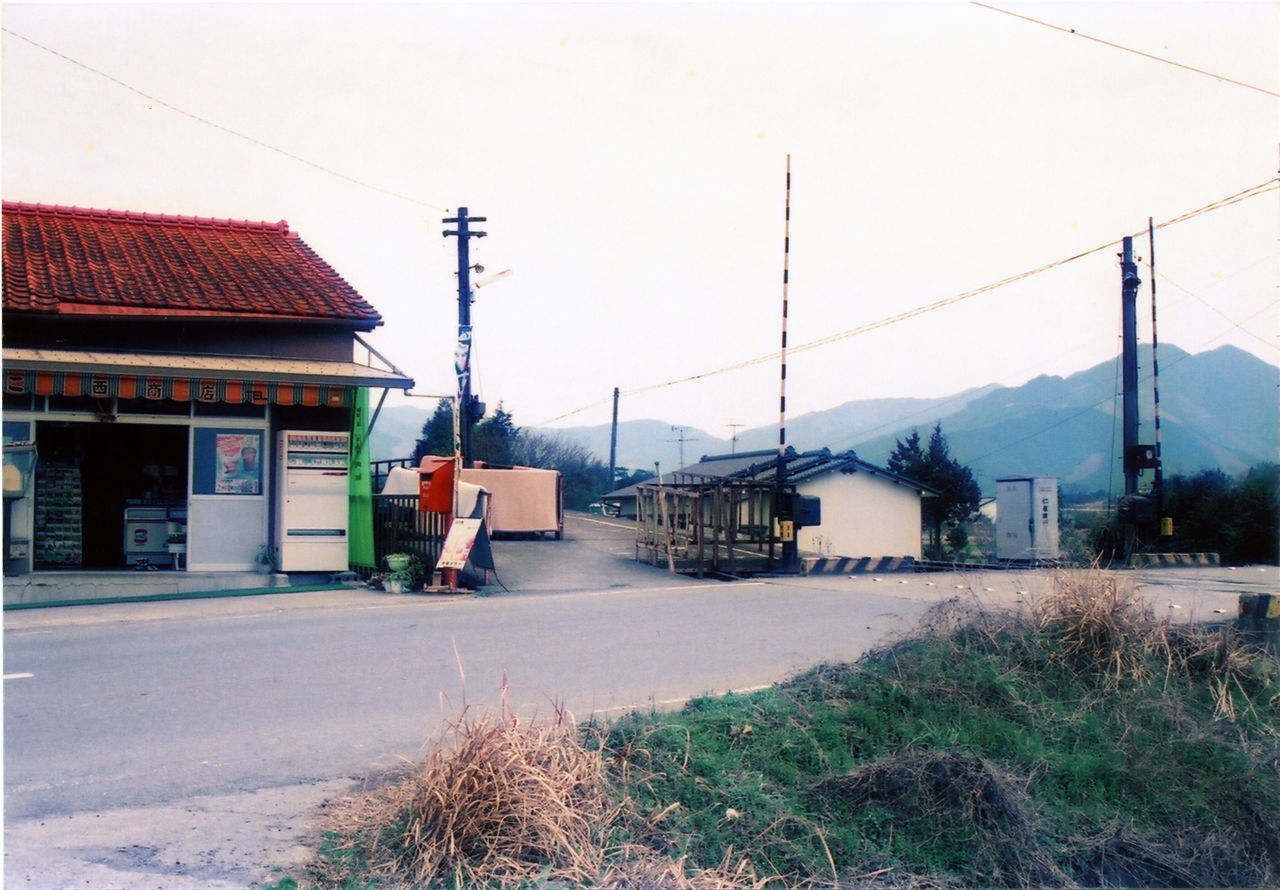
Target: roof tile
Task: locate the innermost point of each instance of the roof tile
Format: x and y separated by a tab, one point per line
86	260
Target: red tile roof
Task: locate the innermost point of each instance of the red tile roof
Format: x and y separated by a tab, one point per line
75	260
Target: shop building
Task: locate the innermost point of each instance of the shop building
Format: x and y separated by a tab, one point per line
189	385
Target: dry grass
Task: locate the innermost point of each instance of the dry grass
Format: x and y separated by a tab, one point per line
1101	625
504	802
989	805
499	801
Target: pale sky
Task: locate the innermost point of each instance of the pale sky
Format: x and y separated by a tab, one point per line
631	163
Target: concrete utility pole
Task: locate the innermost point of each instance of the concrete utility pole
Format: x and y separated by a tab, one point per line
1129	282
469	409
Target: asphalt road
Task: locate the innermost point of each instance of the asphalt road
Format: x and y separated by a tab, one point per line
190	744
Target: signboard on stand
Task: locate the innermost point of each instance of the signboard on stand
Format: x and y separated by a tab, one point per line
467	544
458	543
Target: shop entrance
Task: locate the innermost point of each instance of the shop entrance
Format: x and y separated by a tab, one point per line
109	496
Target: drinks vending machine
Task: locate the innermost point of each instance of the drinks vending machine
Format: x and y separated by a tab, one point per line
312	499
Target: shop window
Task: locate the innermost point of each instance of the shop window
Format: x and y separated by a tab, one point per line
21	402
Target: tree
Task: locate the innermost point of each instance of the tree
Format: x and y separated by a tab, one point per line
1235	518
585	478
958	493
437	433
495	440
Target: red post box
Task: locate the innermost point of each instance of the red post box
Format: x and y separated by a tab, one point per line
435	485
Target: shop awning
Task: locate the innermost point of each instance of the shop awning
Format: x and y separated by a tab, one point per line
201	378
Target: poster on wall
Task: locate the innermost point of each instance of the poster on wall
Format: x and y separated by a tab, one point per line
228	462
239	468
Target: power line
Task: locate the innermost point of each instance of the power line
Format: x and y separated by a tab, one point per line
1136	52
1242	195
1096	405
1234	324
195	117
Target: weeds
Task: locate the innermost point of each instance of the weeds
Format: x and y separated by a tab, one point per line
1082	744
499	801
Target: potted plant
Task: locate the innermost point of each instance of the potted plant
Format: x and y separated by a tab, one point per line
398	562
264	563
406	577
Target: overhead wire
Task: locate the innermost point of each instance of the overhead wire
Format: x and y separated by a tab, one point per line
1147	378
225	129
1234	324
1242	195
1137	52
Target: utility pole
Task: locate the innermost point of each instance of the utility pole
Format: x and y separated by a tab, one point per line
1136	510
467	406
613	444
1129	282
733	441
682	439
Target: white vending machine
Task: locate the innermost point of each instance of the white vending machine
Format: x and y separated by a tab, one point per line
312	497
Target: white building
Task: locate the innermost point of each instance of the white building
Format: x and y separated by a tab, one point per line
867	511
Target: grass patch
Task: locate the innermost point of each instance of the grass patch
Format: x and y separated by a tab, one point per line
1083	743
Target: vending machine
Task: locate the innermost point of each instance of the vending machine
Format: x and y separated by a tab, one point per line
311	502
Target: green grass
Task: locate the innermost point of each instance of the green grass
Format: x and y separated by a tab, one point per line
884	764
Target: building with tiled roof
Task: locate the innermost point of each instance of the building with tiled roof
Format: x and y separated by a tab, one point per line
140	350
76	261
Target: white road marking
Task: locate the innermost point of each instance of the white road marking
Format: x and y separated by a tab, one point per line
630	527
19	676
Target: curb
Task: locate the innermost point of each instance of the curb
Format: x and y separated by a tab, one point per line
850	565
167	597
1154	560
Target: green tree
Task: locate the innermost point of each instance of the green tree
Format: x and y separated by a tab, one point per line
958	492
437	432
495	440
1235	518
1258	514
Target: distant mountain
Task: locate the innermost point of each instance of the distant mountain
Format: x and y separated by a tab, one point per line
1217	409
397	430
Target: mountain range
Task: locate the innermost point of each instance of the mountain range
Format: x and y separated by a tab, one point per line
1218	409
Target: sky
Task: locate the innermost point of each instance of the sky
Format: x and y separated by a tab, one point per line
631	163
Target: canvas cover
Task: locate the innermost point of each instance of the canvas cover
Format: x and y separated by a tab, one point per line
472	499
523	499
